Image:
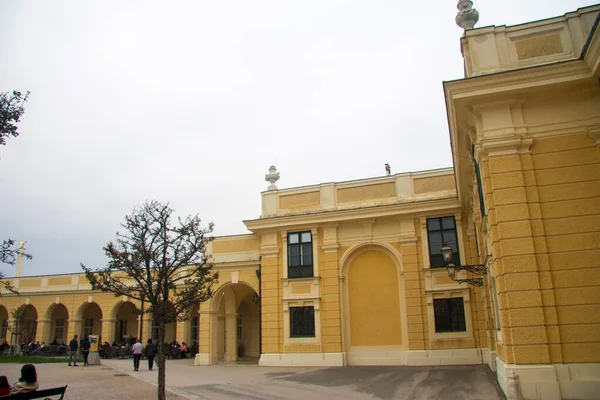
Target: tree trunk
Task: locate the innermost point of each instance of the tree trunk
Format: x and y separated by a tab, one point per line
161	360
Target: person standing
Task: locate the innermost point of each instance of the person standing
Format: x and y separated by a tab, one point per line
85	350
150	352
137	354
73	346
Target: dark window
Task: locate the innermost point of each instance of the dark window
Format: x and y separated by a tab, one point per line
442	231
480	189
300	260
302	322
195	328
449	315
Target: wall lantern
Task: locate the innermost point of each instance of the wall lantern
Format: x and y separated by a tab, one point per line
453	270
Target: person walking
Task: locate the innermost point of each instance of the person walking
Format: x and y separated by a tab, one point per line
85	350
150	352
73	346
137	354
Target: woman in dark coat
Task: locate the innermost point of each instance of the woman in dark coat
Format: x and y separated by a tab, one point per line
85	350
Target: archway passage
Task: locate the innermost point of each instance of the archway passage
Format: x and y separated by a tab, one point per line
26	327
126	322
58	316
235	334
3	324
170	330
91	317
373	304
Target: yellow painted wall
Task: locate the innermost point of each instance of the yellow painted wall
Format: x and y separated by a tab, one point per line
366	192
434	184
375	318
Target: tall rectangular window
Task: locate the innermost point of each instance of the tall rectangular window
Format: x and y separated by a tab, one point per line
302	321
4	329
442	231
300	257
479	189
88	327
449	315
59	328
155	329
195	329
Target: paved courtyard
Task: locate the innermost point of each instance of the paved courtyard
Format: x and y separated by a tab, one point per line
115	379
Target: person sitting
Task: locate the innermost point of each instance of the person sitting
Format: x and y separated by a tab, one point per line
4	386
27	382
54	342
183	350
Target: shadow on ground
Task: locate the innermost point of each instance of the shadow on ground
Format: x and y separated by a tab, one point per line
451	382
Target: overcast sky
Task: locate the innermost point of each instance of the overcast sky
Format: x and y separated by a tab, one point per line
190	102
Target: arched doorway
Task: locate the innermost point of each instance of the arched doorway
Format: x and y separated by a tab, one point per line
125	315
234	331
90	315
374	326
4	324
170	330
58	318
25	328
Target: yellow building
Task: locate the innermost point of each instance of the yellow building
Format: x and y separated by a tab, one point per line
351	273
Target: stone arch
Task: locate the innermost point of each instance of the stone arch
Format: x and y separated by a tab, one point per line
170	329
4	334
57	323
373	306
90	315
125	315
226	306
29	317
356	249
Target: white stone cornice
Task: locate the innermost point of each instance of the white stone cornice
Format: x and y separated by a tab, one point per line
502	147
438	205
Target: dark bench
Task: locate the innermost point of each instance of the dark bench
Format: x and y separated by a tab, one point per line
39	394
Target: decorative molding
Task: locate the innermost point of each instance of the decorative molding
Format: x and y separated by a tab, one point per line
594	132
503	147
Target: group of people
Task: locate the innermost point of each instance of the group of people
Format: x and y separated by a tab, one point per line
149	352
74	346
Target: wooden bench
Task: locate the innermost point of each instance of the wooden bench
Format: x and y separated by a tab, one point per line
39	394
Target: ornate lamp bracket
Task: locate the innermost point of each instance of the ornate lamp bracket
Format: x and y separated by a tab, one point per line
453	270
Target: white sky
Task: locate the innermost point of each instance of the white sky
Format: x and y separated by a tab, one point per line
190	102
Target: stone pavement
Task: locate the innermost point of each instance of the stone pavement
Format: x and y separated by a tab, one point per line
115	379
231	381
92	383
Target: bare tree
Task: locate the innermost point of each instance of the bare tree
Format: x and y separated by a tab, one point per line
11	110
17	328
161	262
9	255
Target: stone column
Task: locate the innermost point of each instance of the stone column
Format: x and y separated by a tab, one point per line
204	342
329	272
231	338
44	331
108	330
75	327
182	331
271	303
530	338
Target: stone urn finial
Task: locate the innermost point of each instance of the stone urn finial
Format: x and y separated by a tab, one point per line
272	177
467	16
